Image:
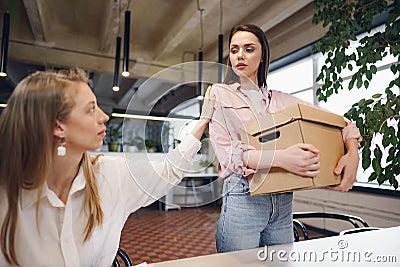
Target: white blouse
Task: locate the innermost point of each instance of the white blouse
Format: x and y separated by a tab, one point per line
124	186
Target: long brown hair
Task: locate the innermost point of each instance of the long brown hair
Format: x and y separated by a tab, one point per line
263	68
27	146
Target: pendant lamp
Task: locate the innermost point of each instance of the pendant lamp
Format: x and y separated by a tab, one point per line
4	44
200	78
220	55
127	29
116	68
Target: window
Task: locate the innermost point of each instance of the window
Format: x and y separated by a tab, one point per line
300	73
301	79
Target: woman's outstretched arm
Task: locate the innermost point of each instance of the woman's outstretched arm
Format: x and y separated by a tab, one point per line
206	115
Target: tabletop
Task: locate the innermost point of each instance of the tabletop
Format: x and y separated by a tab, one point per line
372	248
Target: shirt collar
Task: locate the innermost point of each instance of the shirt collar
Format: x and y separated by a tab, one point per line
266	93
30	196
236	86
264	90
79	182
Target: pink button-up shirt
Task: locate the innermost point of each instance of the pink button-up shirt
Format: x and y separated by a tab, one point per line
233	110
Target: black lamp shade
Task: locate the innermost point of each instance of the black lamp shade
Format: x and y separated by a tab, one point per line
117	59
127	30
4	44
200	81
220	56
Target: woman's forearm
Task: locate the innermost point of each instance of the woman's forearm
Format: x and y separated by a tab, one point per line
259	159
207	111
200	128
301	159
351	145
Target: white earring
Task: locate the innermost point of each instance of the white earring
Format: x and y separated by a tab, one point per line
61	150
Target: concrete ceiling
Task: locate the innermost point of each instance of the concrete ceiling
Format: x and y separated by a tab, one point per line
47	34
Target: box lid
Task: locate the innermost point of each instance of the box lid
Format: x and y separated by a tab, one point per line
296	112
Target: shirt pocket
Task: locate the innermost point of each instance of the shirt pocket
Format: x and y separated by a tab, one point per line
237	113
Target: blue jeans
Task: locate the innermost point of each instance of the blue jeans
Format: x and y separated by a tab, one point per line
252	221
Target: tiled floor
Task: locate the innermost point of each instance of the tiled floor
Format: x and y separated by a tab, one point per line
154	236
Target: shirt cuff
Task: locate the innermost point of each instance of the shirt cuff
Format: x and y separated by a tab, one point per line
351	131
238	165
189	147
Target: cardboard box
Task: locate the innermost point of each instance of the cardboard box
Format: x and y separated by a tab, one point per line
296	124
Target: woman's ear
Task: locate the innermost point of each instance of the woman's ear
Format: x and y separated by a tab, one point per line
59	130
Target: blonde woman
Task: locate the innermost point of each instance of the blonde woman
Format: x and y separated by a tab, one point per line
59	206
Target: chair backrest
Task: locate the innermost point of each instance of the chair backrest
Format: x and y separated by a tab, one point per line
358	230
121	254
300	227
356	221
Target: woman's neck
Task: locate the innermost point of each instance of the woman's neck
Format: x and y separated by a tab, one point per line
249	84
63	174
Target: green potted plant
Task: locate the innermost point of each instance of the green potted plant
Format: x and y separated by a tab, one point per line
151	145
114	133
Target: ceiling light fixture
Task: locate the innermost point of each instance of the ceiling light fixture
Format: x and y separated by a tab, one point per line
149	117
4	44
127	30
116	68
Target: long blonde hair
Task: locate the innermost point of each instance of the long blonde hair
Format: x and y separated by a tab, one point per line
27	147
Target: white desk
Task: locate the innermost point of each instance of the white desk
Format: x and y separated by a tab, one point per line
169	198
361	249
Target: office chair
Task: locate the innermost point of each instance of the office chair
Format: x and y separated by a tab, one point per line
124	257
300	227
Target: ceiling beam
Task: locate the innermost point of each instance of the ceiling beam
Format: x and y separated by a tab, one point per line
288	37
299	18
268	15
111	24
183	26
271	13
36	19
33	53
